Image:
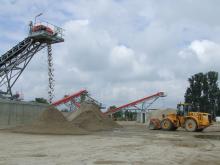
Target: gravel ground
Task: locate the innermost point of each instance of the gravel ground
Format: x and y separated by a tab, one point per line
133	144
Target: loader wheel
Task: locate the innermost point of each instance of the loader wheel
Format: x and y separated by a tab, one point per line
190	125
166	125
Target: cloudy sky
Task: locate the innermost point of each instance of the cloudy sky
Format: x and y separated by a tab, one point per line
119	50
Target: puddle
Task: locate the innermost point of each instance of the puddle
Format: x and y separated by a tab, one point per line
213	137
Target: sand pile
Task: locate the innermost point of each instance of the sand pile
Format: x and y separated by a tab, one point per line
90	118
52	114
51	121
158	114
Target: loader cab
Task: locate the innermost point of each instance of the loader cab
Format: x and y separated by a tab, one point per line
183	109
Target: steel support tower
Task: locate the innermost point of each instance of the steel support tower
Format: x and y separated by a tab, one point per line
73	101
138	105
14	61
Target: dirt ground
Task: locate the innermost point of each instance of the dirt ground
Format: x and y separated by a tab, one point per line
133	144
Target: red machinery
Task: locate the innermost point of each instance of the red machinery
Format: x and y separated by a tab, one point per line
71	98
37	28
135	103
76	99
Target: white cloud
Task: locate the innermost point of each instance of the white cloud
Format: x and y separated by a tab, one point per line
128	64
122	56
76	25
166	74
207	52
118	50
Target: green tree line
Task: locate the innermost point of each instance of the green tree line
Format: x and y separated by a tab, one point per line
203	93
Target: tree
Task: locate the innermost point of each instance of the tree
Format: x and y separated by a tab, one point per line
203	92
82	98
218	104
41	100
213	90
193	93
117	115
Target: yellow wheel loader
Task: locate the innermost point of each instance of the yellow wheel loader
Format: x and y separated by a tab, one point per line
191	121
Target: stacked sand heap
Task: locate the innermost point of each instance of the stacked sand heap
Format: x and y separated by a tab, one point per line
51	121
90	118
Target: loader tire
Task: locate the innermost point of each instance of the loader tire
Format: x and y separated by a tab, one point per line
166	125
190	125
